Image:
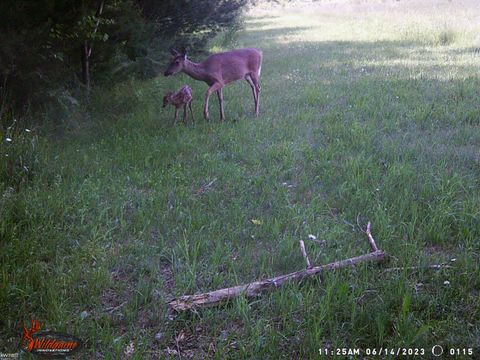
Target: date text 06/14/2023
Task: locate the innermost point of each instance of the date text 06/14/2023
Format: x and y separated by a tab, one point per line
372	351
436	350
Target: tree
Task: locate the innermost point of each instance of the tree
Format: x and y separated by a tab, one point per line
50	46
41	41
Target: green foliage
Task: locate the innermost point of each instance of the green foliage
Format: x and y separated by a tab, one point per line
41	52
191	23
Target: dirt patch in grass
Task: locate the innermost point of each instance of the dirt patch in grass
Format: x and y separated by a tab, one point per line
168	279
197	343
441	252
113	300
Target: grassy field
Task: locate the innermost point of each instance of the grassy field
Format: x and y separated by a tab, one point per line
369	112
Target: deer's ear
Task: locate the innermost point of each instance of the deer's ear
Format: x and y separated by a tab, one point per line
174	52
185	56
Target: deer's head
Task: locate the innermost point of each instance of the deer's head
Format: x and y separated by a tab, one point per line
166	98
176	63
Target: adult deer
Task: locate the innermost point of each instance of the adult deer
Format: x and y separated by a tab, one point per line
220	69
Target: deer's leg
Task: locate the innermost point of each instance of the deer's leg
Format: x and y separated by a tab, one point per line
210	90
254	90
256	83
176	114
220	101
185	115
191	111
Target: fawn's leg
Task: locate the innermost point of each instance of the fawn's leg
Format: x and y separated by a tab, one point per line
176	113
191	111
184	113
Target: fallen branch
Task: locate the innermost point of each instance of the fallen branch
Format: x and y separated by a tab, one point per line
304	253
370	238
217	297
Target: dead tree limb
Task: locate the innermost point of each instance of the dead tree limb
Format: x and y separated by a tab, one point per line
213	298
304	253
373	245
216	297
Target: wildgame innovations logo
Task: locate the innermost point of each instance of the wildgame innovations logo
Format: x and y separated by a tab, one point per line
48	343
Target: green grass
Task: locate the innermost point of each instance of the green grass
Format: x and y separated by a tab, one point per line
367	112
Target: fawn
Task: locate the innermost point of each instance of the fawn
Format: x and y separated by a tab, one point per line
182	97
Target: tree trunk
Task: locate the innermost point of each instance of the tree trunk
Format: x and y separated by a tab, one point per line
85	48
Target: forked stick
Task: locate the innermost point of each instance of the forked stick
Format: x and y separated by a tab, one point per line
213	298
304	253
370	238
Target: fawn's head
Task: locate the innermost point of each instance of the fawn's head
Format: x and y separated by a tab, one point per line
176	63
166	98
